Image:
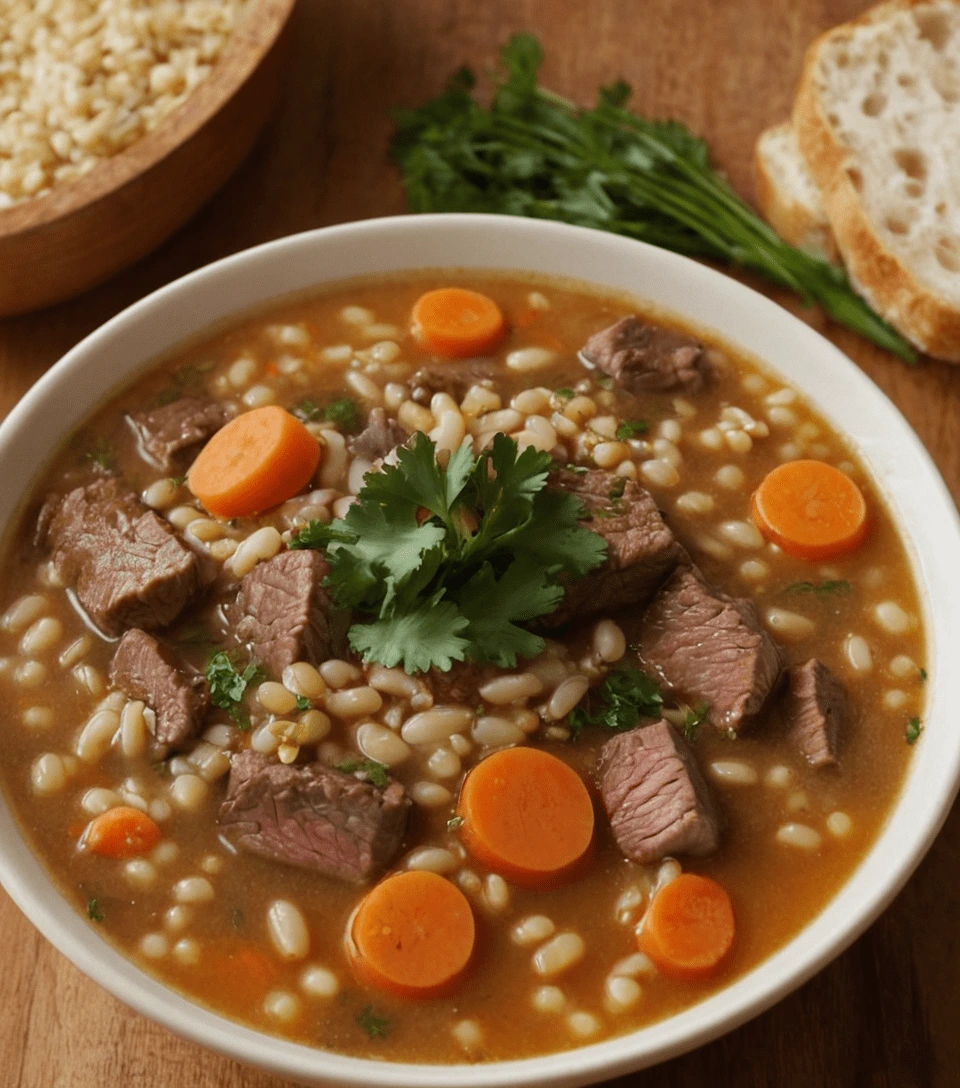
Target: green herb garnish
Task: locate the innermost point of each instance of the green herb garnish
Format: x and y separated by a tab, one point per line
450	586
228	686
913	731
377	773
695	717
178	481
617	489
303	703
821	589
534	153
95	911
102	454
454	822
631	428
923	676
565	393
313	535
626	696
377	1027
345	413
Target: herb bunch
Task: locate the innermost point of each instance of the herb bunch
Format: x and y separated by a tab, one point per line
448	561
534	153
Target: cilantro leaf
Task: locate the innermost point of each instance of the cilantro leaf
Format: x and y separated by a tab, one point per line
228	686
626	696
430	634
95	911
377	773
495	606
317	535
420	480
377	1027
346	413
565	393
556	537
913	731
454	823
303	703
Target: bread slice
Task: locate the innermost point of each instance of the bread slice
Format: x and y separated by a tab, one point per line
877	118
789	197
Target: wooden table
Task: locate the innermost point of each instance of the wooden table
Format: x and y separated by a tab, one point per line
885	1013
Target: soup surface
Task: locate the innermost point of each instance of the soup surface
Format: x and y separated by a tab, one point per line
196	895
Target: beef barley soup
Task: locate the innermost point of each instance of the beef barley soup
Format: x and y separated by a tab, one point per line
453	668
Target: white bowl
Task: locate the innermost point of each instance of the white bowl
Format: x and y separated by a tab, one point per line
899	465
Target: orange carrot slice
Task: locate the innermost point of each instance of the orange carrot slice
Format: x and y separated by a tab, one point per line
811	510
122	832
689	927
526	815
457	323
256	461
412	935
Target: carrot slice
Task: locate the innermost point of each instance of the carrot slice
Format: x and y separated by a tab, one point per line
412	935
527	815
256	461
457	323
689	927
811	510
122	832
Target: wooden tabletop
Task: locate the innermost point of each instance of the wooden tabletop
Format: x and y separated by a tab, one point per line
883	1015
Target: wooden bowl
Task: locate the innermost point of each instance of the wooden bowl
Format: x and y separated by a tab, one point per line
55	246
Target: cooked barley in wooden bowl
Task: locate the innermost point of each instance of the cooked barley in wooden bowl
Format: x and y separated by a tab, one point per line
118	119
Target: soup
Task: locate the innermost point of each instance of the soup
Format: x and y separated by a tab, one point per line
497	651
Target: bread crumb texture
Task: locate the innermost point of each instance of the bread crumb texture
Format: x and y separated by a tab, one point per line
80	80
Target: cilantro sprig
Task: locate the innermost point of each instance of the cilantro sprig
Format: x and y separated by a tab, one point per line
534	153
377	1027
376	773
228	685
345	412
626	696
448	561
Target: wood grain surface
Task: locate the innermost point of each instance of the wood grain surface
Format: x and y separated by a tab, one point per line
886	1013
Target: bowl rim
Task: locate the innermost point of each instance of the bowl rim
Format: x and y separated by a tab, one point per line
253	39
934	772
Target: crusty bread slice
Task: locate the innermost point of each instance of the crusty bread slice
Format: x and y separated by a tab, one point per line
877	118
789	197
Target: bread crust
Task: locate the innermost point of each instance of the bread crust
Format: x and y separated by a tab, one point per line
880	275
789	218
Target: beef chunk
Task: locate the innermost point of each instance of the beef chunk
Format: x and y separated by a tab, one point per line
144	669
284	612
171	436
711	648
127	566
381	436
817	712
454	378
642	550
655	796
313	817
645	358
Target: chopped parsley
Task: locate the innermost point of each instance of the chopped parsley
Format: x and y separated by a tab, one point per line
821	589
632	428
377	773
618	488
345	413
695	717
913	731
312	535
604	381
923	676
565	393
454	822
95	911
448	561
178	481
228	686
303	703
102	454
377	1027
578	469
626	696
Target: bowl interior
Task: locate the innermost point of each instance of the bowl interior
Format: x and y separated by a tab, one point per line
899	464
